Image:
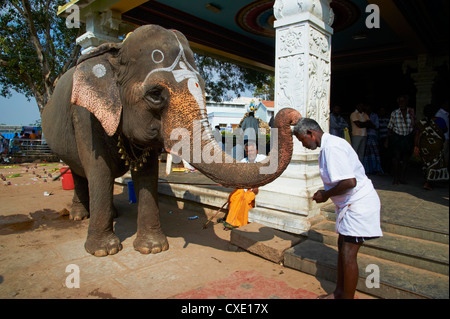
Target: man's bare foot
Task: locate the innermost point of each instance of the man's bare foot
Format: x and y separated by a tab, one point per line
335	296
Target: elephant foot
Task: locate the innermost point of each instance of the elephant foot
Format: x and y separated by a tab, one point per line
103	245
78	211
154	243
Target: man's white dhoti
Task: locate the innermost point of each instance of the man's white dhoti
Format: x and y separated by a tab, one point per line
358	210
360	218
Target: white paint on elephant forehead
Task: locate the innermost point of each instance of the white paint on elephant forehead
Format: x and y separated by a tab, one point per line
183	74
196	91
157	56
99	70
175	63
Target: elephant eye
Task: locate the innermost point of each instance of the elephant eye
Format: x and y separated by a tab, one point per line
154	95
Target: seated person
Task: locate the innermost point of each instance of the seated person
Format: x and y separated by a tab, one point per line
33	135
241	201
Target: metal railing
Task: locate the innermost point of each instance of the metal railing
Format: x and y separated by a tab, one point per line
31	148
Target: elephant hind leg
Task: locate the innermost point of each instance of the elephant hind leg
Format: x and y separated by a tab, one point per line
80	201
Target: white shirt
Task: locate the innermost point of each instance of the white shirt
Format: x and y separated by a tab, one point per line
258	158
358	208
339	161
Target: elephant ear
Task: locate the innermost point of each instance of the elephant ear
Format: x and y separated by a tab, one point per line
95	86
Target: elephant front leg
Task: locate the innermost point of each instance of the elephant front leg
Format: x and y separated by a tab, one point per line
150	237
80	201
101	240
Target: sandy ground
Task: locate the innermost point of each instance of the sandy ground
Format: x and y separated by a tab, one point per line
37	243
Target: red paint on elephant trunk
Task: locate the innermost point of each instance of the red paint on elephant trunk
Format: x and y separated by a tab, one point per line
187	134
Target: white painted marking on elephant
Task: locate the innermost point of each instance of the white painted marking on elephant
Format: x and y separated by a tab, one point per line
168	69
157	52
99	70
196	92
185	71
175	63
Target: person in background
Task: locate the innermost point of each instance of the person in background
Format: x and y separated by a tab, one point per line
250	122
385	158
2	140
33	135
14	144
337	122
443	113
372	161
359	121
429	145
401	138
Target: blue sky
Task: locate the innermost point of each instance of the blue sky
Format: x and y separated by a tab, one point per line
18	111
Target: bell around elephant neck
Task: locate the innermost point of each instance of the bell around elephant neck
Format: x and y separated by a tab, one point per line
135	162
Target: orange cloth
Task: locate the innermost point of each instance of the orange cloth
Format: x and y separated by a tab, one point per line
241	202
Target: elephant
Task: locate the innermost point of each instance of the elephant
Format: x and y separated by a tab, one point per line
117	109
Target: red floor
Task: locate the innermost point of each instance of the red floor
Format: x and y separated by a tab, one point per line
246	285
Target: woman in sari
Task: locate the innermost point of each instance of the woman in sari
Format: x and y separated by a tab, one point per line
429	145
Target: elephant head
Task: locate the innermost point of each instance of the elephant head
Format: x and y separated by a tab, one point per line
148	88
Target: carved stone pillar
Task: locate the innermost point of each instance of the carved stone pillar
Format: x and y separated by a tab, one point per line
423	80
302	82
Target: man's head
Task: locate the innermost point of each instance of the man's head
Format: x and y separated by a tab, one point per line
252	150
402	101
336	109
444	105
308	132
360	107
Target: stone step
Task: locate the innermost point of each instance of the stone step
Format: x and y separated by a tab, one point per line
263	241
396	281
395	225
410	251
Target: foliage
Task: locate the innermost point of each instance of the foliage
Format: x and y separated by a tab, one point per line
36	48
267	90
221	77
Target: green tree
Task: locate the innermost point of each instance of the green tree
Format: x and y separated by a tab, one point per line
36	48
266	91
221	77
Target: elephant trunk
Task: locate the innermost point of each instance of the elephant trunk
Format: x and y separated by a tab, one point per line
187	134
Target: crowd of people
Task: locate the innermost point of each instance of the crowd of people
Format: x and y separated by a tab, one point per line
385	143
17	142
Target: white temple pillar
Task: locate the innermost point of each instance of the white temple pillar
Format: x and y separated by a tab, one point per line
302	82
101	27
